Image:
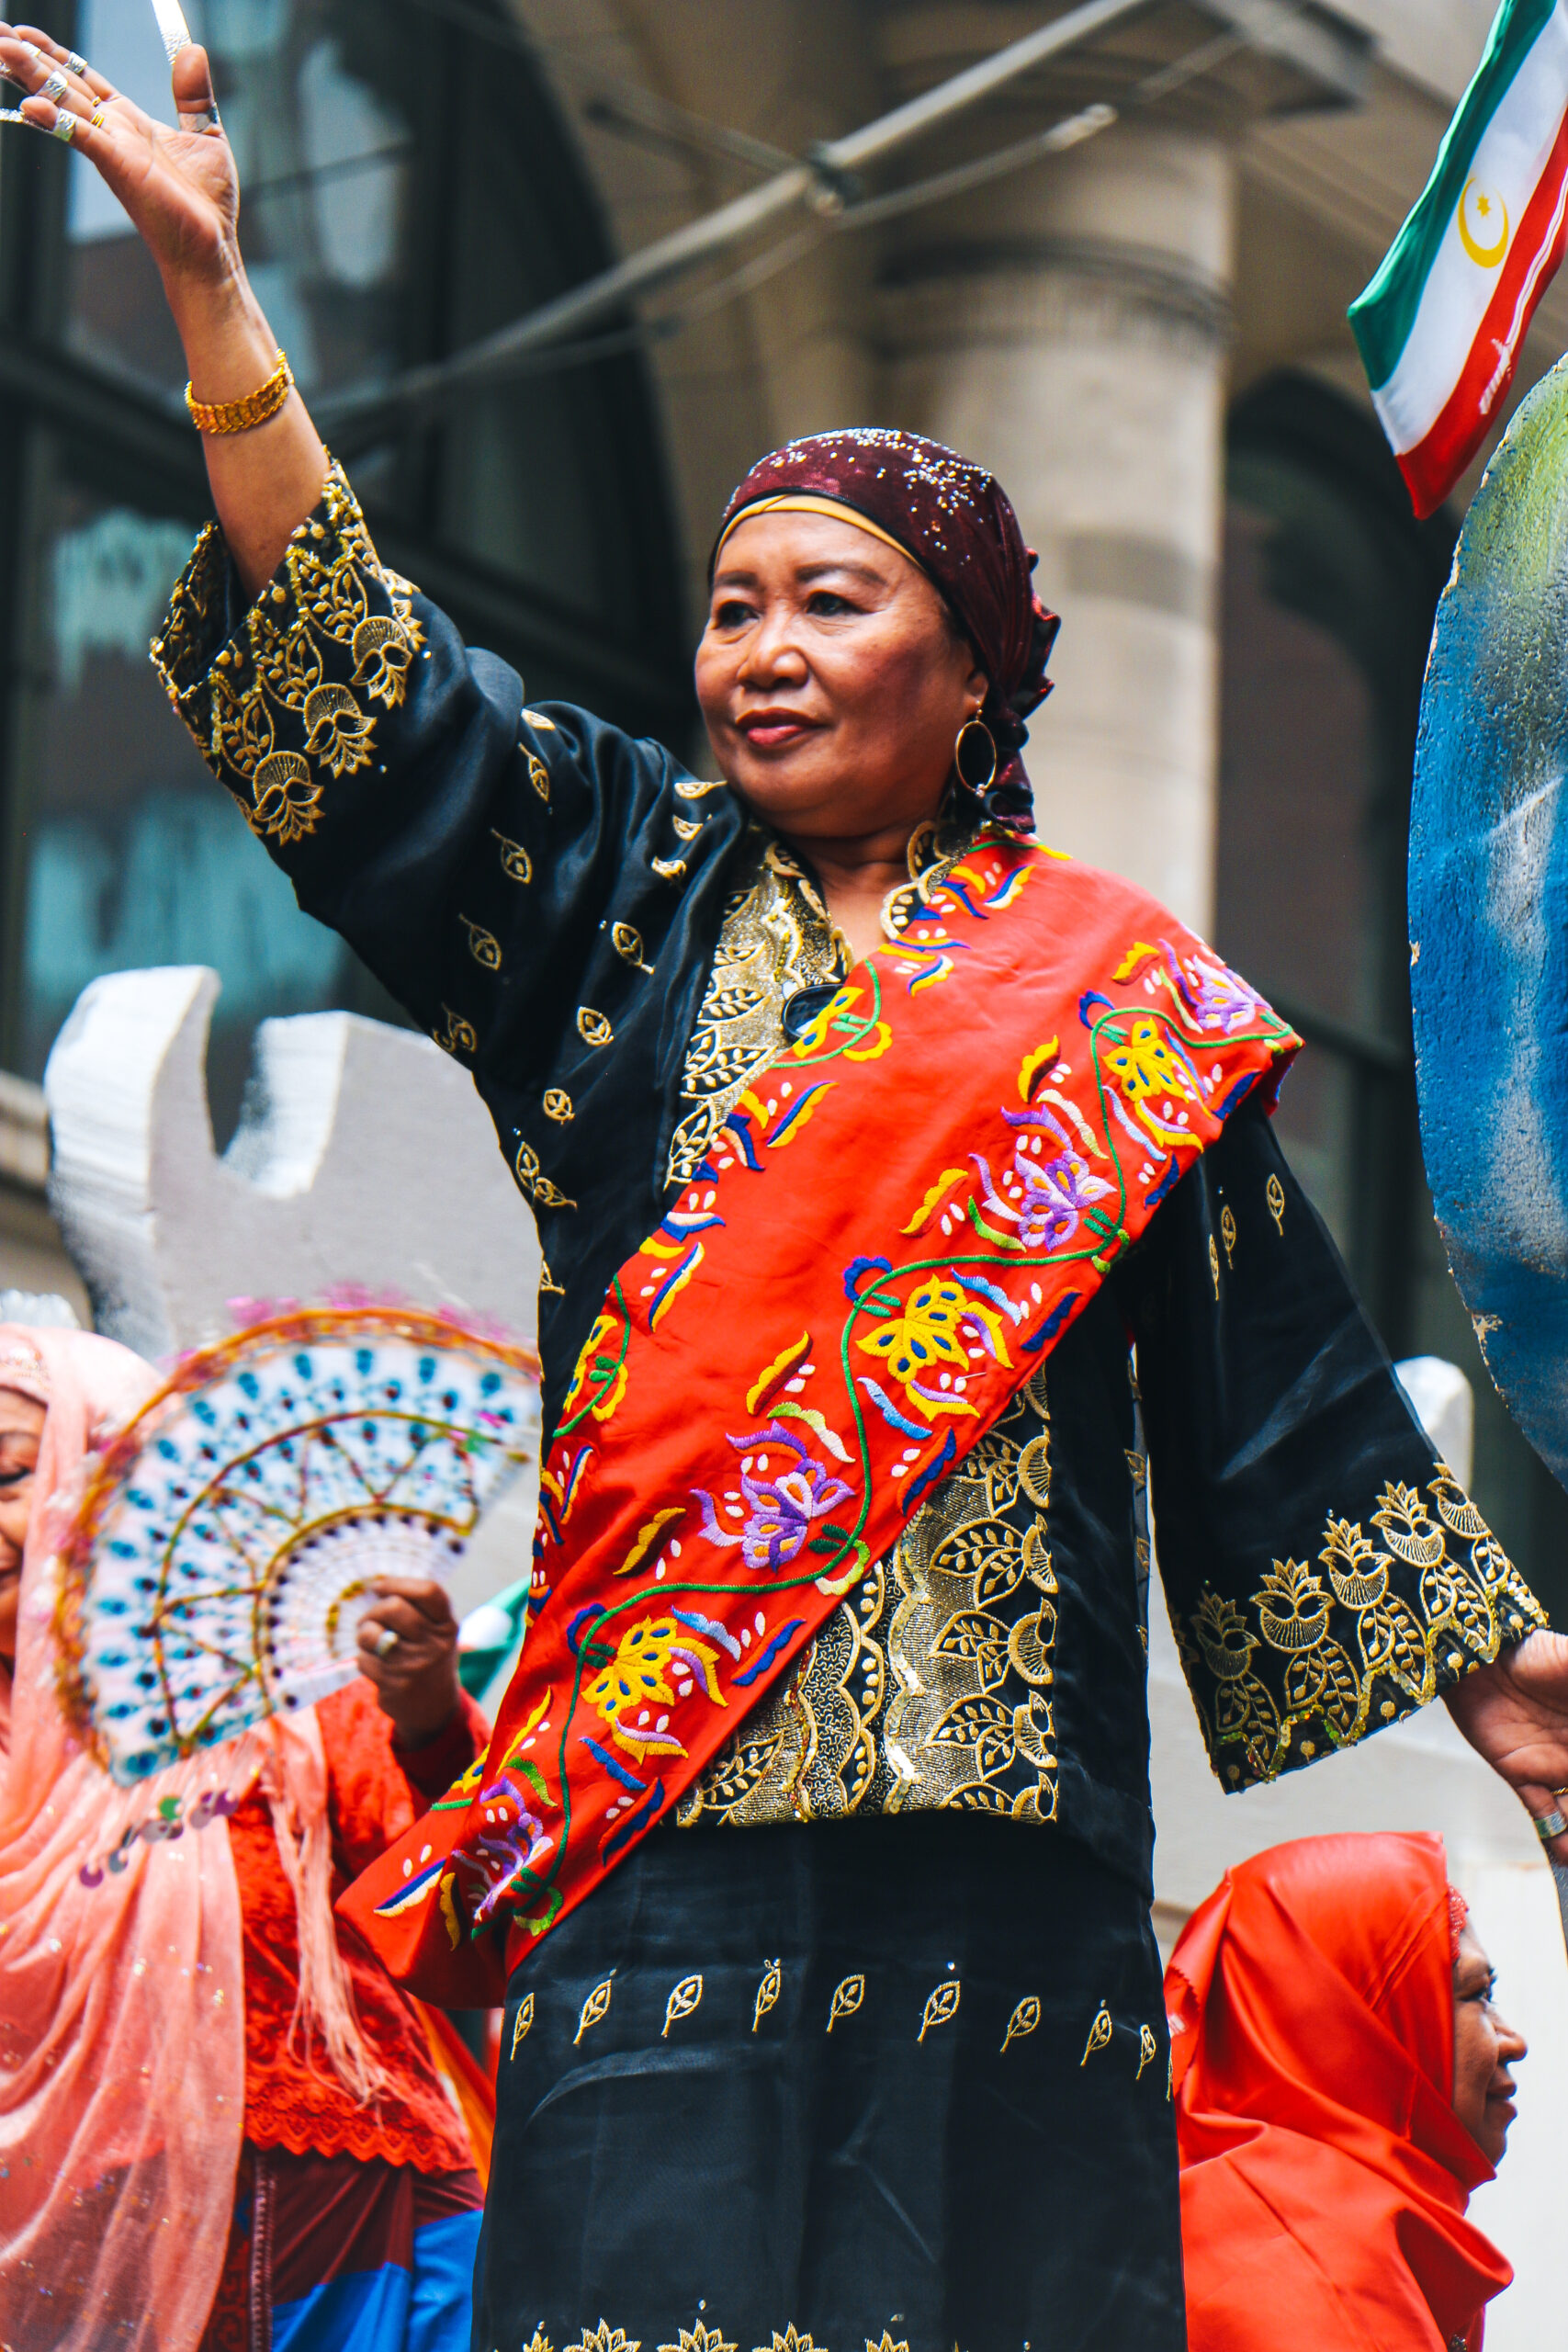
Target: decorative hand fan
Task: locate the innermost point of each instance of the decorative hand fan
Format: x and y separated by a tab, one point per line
220	1564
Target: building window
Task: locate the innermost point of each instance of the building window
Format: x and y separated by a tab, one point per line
408	188
1330	587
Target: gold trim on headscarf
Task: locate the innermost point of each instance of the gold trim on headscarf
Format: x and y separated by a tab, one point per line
804	502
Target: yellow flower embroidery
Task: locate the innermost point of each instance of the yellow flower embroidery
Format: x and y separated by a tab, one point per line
917	1344
601	1366
657	1662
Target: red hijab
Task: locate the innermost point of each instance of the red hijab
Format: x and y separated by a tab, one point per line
1323	2172
957	523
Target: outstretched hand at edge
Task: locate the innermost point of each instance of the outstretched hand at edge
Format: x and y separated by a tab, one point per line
181	189
179	186
1515	1713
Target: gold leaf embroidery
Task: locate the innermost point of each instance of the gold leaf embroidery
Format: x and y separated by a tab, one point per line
538	773
515	859
483	946
606	2338
537	718
1099	2035
886	2344
940	2006
1215	1265
682	2002
459	1036
539	1186
1148	2050
768	1991
848	1994
525	2018
1320	1652
595	2006
690	790
1227	1234
669	869
546	1280
1274	1193
315	618
687	828
698	2339
1024	2020
287	797
627	944
593	1027
539	2341
557	1105
790	2342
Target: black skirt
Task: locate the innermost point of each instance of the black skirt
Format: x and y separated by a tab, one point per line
901	2080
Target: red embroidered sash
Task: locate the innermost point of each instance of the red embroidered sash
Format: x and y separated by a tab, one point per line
897	1225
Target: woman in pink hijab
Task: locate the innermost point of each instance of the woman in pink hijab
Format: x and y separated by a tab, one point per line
178	2020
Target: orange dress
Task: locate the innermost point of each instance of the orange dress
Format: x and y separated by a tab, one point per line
293	2099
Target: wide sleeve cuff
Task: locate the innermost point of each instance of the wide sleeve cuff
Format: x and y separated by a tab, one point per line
1399	1603
285	698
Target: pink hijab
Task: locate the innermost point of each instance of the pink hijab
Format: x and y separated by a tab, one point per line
122	2057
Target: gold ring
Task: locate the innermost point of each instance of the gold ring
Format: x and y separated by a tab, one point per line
1550	1826
95	119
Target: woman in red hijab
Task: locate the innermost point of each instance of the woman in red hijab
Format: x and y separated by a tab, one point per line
1341	2081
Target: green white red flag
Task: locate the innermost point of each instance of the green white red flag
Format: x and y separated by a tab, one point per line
1440	325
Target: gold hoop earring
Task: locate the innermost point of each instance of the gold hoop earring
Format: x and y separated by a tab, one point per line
986	782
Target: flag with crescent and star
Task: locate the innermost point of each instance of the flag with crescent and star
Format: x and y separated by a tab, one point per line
1440	326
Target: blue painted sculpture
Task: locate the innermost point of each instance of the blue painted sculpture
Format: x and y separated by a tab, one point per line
1489	918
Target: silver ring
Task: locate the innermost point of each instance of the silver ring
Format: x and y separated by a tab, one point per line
74	61
205	120
64	127
54	87
387	1642
1550	1826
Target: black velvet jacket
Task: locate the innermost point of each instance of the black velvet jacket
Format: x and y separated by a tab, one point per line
583	924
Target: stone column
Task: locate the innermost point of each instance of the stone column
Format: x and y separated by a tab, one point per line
1068	329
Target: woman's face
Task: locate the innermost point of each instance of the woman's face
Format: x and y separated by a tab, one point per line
21	1427
1485	2049
831	679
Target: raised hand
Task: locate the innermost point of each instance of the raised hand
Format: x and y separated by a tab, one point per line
177	182
1515	1714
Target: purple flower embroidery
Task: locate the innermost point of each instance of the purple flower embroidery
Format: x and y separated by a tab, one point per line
782	1504
1217	998
506	1848
1049	1198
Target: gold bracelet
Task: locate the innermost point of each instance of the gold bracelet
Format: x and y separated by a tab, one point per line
238	416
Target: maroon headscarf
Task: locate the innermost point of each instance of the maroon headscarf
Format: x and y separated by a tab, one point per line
956	522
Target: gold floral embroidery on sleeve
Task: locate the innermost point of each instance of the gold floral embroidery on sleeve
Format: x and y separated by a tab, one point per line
1320	1656
293	699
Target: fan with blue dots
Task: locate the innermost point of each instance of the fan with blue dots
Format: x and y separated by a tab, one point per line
230	1537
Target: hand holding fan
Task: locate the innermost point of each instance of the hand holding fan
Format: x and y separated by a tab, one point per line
230	1537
